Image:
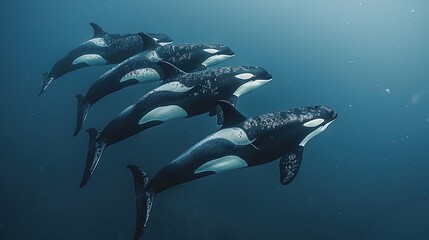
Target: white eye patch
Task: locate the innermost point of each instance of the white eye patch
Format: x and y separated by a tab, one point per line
211	50
314	122
244	76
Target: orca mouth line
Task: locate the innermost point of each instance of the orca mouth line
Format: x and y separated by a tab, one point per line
225	55
262	79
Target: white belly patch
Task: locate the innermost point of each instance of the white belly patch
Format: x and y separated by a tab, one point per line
143	75
223	164
90	59
164	114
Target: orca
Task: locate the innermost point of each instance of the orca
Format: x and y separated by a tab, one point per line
143	68
241	142
183	96
102	49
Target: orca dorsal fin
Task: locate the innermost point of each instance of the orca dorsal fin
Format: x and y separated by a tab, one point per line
231	116
148	42
170	71
218	111
98	31
289	165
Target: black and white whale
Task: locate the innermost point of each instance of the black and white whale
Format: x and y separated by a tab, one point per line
180	97
143	68
241	142
102	49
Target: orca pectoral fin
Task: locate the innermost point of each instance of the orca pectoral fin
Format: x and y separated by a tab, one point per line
46	81
144	199
98	31
289	165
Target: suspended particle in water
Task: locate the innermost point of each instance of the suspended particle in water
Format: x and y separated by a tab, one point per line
387	90
413	11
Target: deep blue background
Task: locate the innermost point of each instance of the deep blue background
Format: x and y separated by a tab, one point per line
363	178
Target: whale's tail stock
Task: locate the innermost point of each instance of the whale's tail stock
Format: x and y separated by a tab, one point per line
82	112
46	81
144	199
95	150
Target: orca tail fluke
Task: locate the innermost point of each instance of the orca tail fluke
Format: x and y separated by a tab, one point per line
46	81
144	199
82	112
95	150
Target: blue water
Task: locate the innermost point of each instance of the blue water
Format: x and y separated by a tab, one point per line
365	177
